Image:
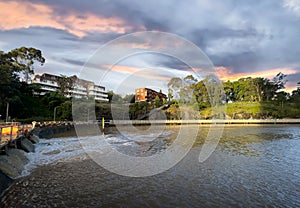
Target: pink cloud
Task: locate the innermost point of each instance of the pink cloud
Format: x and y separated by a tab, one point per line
136	71
228	74
16	14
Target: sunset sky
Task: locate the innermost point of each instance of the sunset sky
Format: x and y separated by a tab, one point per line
241	38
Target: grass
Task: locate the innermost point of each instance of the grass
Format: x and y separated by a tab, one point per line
260	110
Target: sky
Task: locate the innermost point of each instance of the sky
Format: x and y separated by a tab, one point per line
239	38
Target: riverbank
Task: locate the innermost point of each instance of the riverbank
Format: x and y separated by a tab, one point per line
13	156
13	161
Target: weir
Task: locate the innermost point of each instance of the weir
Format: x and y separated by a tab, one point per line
16	140
13	145
204	122
10	133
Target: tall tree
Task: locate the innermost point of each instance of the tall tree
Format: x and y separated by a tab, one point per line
12	64
129	98
279	81
258	84
24	59
201	94
65	84
174	86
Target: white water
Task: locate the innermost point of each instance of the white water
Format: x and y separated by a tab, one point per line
57	150
52	151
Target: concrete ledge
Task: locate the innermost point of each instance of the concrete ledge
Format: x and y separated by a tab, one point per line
216	121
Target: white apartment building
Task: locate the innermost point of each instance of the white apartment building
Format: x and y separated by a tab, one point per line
81	88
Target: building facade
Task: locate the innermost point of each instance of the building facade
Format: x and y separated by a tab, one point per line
80	88
148	95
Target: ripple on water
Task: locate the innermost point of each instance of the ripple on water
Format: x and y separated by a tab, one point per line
65	177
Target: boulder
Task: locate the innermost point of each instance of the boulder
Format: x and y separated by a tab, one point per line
34	139
5	182
27	146
19	153
7	168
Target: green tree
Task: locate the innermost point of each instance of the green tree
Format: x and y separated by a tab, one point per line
114	98
24	59
12	64
271	88
129	98
64	111
53	99
174	86
295	97
65	84
201	94
190	79
259	87
157	102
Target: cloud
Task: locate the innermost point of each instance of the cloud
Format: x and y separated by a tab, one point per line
247	38
228	74
14	14
292	5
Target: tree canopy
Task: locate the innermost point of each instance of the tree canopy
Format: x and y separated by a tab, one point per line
12	65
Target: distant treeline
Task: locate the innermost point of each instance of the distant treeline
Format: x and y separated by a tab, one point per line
245	98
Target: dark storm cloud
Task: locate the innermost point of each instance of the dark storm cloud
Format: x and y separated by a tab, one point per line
203	37
151	24
64	52
42	36
74	62
133	12
122	9
175	64
172	63
240	61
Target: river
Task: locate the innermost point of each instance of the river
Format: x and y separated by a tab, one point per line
252	166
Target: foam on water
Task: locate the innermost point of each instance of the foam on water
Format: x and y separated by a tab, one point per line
133	136
53	151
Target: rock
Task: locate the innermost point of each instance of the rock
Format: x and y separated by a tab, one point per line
16	162
5	181
13	163
7	168
20	153
54	152
34	139
25	183
27	146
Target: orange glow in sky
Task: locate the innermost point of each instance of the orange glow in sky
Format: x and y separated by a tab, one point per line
15	15
228	74
136	71
225	74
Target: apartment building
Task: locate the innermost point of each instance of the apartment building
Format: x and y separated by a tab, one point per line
148	95
80	87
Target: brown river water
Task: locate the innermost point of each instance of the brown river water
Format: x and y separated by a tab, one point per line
252	166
